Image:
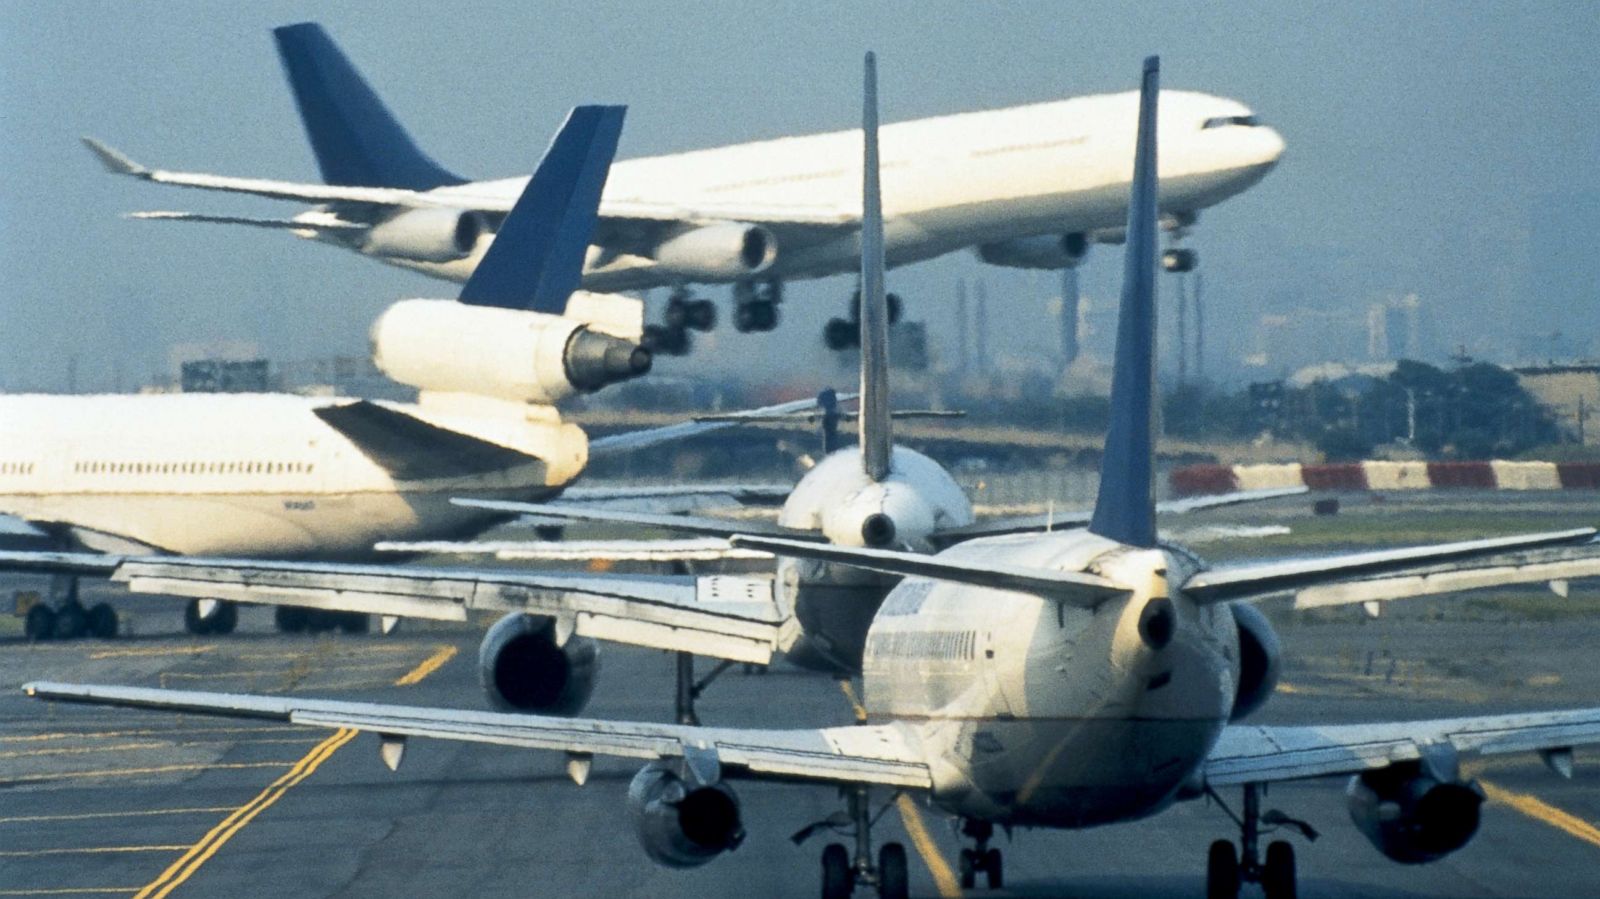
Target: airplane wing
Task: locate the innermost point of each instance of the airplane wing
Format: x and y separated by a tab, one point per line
20	533
271	224
887	755
1543	566
719	616
1262	754
673	495
689	524
701	549
1262	579
1027	524
633	440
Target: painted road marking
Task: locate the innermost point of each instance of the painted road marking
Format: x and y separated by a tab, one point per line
124	772
88	816
152	732
943	877
85	850
198	854
71	891
849	691
1538	809
152	651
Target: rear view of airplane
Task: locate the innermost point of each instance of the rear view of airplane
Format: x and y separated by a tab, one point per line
1062	680
1028	186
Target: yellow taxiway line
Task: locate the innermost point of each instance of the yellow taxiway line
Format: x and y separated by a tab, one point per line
85	850
71	891
428	666
1540	810
89	816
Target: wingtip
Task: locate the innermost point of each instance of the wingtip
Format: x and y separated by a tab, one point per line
115	162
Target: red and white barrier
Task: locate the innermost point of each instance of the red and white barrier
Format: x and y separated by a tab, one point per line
1202	480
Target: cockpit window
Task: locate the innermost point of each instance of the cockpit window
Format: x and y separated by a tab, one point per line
1248	121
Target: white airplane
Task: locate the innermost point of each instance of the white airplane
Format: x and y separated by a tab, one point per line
1027	186
290	476
1064	680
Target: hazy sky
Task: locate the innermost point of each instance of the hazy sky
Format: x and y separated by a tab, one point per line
1423	140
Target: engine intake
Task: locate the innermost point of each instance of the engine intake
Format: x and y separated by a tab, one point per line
510	354
1260	660
524	668
1412	813
426	235
684	819
720	252
1049	251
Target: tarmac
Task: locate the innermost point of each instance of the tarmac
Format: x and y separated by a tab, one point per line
105	802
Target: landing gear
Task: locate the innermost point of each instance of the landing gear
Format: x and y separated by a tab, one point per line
981	857
689	689
840	873
40	623
205	617
102	621
844	333
1177	260
291	619
298	620
755	307
72	621
683	314
1227	870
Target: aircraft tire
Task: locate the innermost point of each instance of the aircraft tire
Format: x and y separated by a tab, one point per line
102	622
291	619
1222	871
837	879
71	622
994	869
355	622
840	334
1277	875
968	866
40	623
225	618
702	315
896	307
894	876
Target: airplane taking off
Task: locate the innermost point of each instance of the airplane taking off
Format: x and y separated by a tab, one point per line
290	476
1062	680
1027	186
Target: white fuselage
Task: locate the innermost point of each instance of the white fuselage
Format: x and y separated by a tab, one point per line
1039	712
251	474
949	183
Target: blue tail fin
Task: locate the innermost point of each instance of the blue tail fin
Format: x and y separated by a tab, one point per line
1125	509
355	138
536	260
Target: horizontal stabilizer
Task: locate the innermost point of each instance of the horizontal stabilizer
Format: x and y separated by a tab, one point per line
115	161
1268	578
1072	587
688	524
1063	520
411	449
693	549
629	441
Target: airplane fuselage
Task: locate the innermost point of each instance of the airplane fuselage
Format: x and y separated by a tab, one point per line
248	474
949	182
1039	712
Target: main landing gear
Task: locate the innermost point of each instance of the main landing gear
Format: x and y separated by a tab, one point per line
981	857
755	306
210	617
1227	870
69	620
843	334
1178	260
683	314
298	620
840	873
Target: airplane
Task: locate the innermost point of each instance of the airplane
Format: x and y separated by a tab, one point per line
1031	186
1061	680
280	475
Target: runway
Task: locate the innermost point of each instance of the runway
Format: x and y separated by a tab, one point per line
100	802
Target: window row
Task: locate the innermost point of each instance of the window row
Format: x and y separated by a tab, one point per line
16	468
235	467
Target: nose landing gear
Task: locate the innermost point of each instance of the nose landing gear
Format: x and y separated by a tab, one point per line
841	874
1227	870
981	857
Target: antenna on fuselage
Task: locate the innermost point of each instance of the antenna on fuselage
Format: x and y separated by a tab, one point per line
877	440
1124	511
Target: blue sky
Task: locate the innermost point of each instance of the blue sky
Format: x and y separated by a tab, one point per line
1424	140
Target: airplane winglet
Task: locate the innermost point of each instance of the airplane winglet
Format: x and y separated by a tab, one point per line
115	162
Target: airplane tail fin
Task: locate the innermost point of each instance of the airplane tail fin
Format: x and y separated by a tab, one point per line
536	260
1125	508
356	139
877	438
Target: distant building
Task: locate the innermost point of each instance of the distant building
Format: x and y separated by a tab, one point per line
224	376
1570	392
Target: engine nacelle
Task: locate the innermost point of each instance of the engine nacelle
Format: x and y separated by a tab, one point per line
426	235
1052	251
683	821
720	252
1413	814
524	666
513	354
1260	660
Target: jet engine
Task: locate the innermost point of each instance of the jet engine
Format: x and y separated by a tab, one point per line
1260	660
684	820
426	235
1052	251
720	252
1412	812
512	354
526	666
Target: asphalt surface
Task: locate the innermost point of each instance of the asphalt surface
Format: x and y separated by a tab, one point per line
111	802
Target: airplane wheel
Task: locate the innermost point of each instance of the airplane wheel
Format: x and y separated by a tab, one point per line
676	316
755	316
837	881
221	620
225	618
840	334
319	621
896	306
702	315
40	623
667	341
1222	871
354	623
968	865
1277	875
292	619
894	879
71	622
1176	261
993	867
102	622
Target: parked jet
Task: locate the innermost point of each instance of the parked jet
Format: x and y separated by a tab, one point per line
290	476
1063	680
1027	186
